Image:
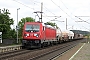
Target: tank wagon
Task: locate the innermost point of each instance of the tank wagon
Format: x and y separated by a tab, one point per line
67	35
59	35
71	35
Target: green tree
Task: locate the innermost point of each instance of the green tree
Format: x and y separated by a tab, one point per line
52	24
12	33
22	22
5	22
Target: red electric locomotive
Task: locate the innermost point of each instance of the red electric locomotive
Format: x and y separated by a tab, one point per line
37	34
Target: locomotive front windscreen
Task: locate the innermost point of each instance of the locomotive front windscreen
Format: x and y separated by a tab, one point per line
32	28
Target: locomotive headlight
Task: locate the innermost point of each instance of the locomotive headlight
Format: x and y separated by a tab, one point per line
27	34
37	35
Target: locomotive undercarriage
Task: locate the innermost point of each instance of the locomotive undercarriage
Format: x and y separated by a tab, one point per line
31	43
37	43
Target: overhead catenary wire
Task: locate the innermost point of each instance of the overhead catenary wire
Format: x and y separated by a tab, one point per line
23	4
74	15
82	20
45	8
48	11
64	4
35	2
60	8
34	9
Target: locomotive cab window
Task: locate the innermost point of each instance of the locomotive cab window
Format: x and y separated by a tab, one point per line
32	28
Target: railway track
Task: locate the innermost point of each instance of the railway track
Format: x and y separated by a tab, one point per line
38	54
50	55
12	53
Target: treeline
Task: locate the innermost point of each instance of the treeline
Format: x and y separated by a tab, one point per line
5	25
81	32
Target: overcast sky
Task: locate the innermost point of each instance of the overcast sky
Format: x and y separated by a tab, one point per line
64	8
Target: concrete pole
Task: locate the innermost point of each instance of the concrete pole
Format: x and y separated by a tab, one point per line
17	24
66	23
41	10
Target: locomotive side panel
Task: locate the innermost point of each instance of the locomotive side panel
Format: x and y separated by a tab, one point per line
50	33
